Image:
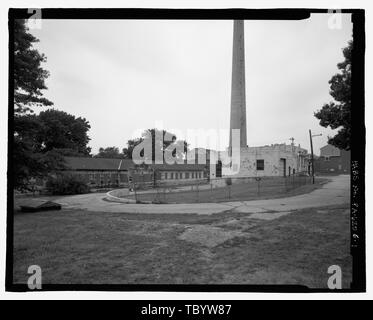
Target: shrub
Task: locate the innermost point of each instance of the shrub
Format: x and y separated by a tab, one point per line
228	181
66	184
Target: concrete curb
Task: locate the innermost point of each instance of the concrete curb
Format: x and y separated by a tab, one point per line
111	198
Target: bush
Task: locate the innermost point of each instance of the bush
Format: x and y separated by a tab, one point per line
66	184
228	181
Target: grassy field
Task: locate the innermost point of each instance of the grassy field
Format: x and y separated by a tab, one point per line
269	188
89	247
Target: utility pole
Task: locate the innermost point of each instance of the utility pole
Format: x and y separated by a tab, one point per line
312	159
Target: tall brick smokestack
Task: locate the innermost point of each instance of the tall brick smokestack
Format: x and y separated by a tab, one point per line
238	99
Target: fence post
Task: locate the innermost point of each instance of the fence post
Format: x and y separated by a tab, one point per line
228	182
258	185
286	184
134	189
197	193
293	181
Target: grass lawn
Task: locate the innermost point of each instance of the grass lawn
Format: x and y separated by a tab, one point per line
89	247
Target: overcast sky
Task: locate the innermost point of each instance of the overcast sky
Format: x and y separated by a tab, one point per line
124	75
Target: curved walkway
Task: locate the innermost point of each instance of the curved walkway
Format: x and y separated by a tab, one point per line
335	192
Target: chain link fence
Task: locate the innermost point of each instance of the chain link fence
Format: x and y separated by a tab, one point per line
218	190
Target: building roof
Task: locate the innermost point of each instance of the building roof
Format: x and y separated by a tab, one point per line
86	163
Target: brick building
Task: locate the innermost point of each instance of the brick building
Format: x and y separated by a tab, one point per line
119	172
333	160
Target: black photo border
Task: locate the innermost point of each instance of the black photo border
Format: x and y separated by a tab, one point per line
358	247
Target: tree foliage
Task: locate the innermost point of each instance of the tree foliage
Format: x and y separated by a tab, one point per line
54	130
109	152
63	184
28	164
29	76
337	114
41	141
29	81
60	130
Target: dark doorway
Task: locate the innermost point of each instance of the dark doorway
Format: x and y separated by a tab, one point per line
283	164
219	166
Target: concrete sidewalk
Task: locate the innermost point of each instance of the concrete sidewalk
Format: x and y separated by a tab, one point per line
333	193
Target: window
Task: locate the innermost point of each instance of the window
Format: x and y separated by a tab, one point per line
172	175
165	175
192	175
176	175
327	158
186	175
260	164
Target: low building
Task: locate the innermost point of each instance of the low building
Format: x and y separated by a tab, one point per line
99	171
333	160
103	172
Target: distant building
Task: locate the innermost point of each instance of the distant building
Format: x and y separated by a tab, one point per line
333	160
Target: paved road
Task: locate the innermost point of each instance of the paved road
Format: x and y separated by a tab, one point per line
335	192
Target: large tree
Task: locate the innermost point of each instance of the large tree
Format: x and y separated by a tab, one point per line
60	130
29	76
53	130
29	81
337	114
41	141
